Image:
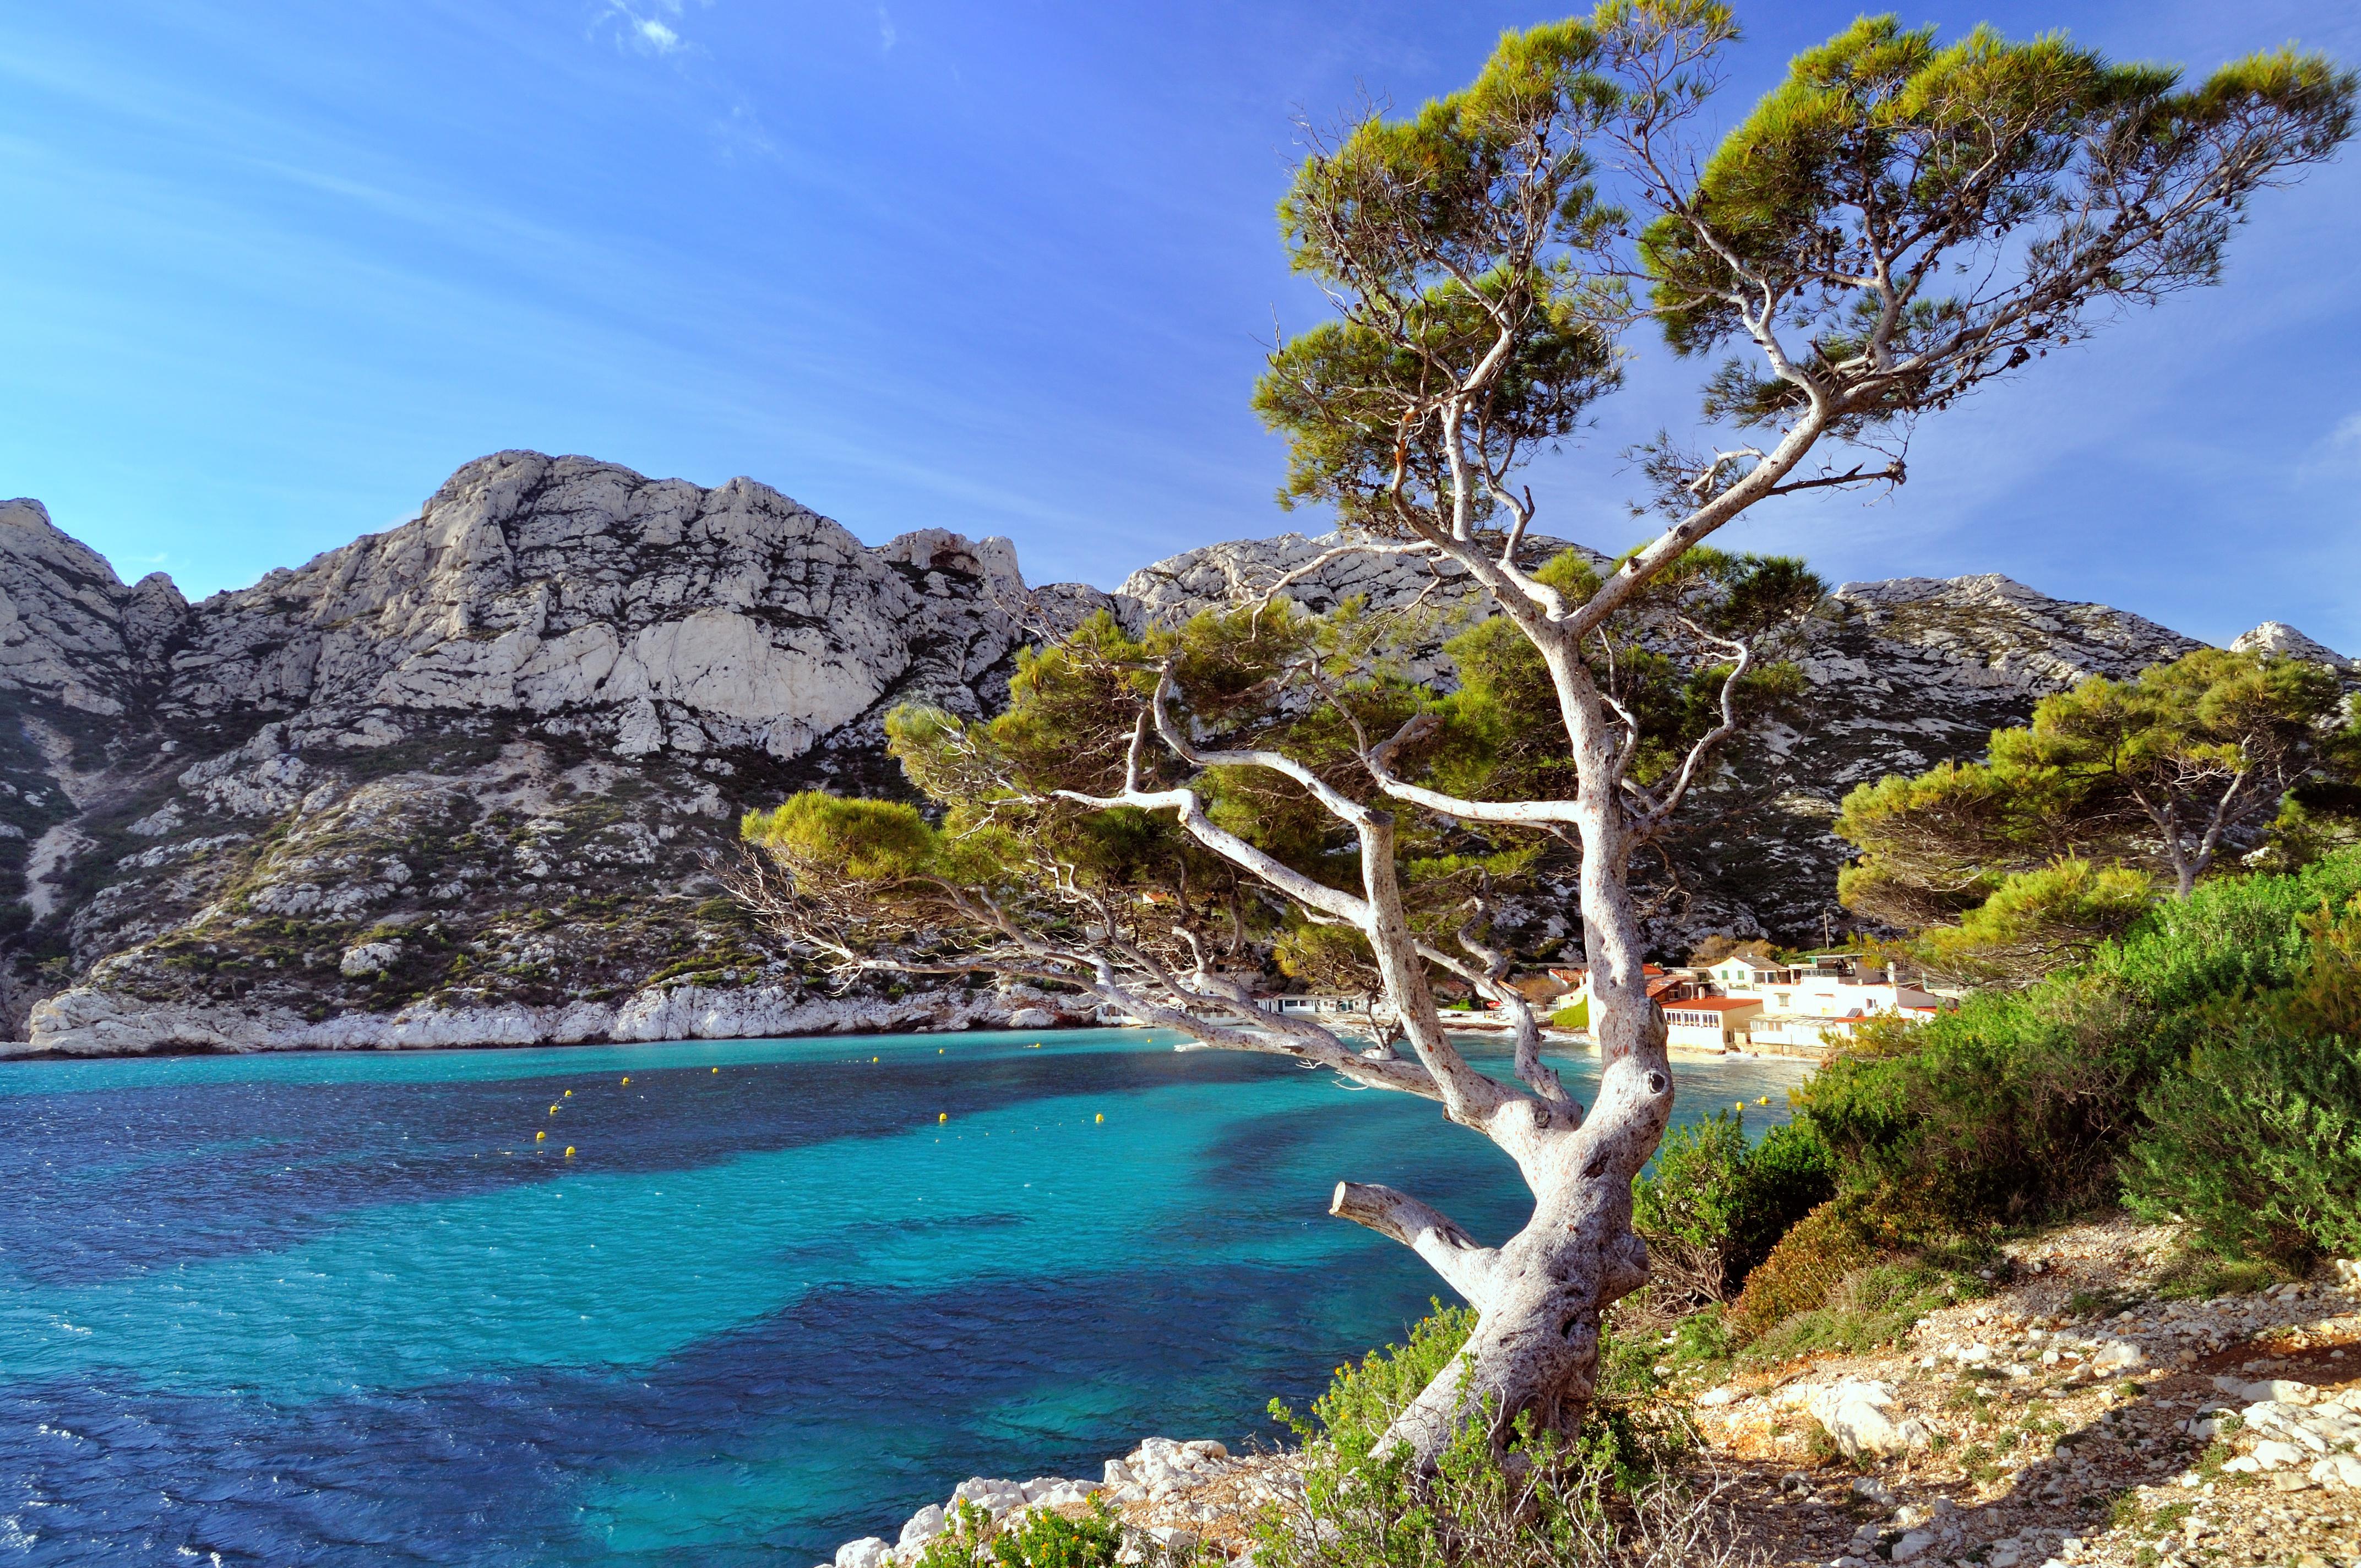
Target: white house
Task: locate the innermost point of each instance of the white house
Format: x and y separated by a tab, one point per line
1299	1004
1714	1023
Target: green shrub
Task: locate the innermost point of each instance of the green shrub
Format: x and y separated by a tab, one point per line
1791	1172
2256	1141
1718	1202
1803	1271
1574	1017
1362	1400
2257	1146
1554	1503
1597	1501
1035	1539
1870	1306
2021	1105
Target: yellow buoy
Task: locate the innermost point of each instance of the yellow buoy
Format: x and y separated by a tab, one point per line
717	1069
1102	1115
569	1094
538	1136
1764	1101
569	1151
945	1116
553	1110
627	1080
1739	1107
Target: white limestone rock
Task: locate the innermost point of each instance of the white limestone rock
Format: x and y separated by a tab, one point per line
2338	1472
1865	1421
923	1527
2118	1355
371	958
70	630
2277	636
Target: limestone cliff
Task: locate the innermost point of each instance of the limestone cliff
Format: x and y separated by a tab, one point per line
456	783
460	782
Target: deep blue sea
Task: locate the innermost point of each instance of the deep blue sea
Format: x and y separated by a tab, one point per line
348	1309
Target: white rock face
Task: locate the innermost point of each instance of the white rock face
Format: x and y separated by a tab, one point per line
548	586
2277	636
561	682
1863	1419
869	1551
70	630
922	1527
371	958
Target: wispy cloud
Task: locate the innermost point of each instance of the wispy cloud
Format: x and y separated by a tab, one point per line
886	36
654	30
645	25
2337	452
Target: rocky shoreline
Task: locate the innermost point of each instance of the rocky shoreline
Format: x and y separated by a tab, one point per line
1173	1498
90	1023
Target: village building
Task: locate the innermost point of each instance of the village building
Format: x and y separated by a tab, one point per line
1303	1004
1663	988
1812	1001
1711	1023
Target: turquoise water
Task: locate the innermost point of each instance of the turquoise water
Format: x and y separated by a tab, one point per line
345	1310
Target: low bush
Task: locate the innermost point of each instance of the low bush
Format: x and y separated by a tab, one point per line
1712	1204
2257	1146
1034	1539
2196	1275
2256	1141
1870	1306
1594	1502
2023	1105
1803	1271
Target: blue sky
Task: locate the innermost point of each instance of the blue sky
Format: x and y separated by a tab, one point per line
273	270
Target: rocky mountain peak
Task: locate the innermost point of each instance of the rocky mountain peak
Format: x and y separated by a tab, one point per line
68	629
2277	636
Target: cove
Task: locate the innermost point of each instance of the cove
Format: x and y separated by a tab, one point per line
346	1309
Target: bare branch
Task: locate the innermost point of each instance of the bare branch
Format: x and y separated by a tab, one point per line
1466	1267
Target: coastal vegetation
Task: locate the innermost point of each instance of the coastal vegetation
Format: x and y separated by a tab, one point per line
2072	825
1899	222
2203	1067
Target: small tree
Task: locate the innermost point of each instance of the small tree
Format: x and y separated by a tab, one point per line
1897	223
2155	776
